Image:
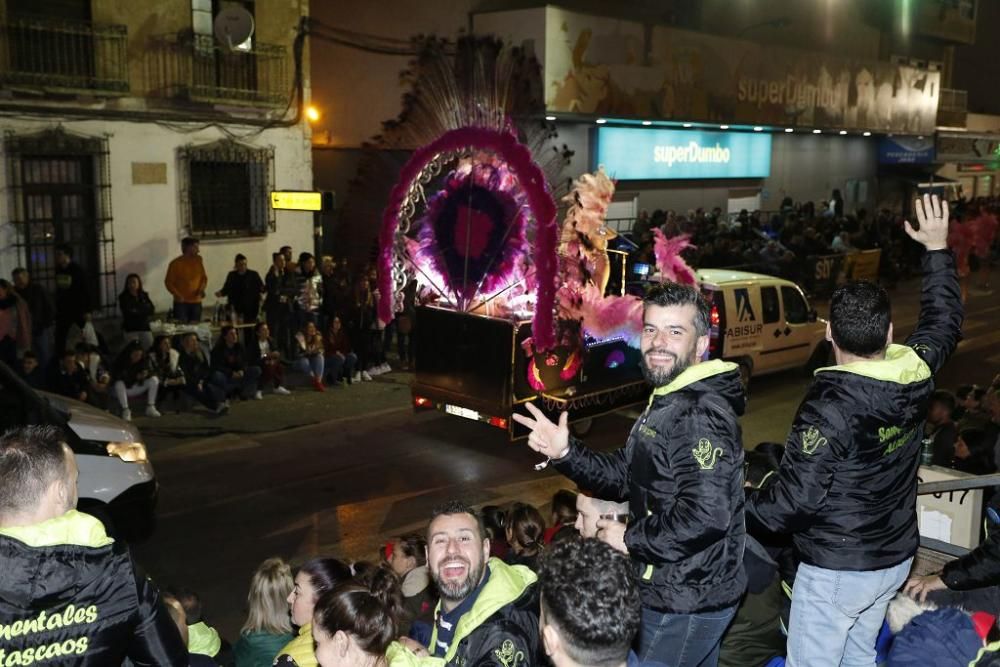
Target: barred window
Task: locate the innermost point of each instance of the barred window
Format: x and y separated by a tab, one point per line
226	188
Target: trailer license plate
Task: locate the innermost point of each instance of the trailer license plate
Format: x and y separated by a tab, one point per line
459	411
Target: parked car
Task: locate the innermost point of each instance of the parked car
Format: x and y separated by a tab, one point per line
117	483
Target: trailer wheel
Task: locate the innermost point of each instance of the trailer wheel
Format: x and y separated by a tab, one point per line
581	428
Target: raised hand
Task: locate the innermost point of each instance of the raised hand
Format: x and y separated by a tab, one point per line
932	214
551	440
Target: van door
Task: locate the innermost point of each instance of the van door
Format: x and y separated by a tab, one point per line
770	307
743	325
792	339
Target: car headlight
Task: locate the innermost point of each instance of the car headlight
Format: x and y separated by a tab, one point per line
130	452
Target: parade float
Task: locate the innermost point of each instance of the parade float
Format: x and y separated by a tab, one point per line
515	302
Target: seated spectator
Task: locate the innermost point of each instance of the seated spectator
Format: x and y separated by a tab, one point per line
409	561
31	372
842	243
357	622
230	370
563	516
197	372
179	617
974	452
488	610
134	377
68	378
339	359
494	520
525	533
203	639
967	399
55	559
590	510
313	579
268	626
88	357
940	428
309	350
755	635
590	609
264	352
136	308
165	362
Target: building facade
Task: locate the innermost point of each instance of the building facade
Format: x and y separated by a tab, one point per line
128	126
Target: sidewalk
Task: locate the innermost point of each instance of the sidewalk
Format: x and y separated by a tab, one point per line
304	407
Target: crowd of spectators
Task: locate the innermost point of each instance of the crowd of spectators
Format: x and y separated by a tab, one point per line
779	242
963	428
312	321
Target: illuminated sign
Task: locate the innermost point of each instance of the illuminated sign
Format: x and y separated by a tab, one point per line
630	154
289	200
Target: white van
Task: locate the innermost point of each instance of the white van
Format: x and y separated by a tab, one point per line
116	482
762	323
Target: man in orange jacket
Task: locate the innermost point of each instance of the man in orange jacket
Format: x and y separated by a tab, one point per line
186	281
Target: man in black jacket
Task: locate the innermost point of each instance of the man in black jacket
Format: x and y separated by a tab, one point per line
69	594
488	613
244	290
846	489
73	301
682	472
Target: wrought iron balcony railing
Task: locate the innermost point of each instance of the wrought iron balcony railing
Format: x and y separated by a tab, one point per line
195	67
64	55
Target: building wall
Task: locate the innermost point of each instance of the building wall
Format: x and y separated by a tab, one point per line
803	167
147	218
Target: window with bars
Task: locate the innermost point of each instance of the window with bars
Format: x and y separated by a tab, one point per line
226	188
60	193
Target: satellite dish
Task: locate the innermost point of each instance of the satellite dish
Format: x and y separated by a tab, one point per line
233	26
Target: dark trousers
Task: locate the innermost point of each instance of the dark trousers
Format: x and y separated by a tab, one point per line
683	640
187	312
279	321
245	386
337	366
63	325
8	352
272	371
209	395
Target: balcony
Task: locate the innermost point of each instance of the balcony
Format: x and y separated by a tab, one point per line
952	108
63	56
196	68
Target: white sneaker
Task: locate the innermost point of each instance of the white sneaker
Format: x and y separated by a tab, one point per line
357	377
366	376
280	391
386	368
151	411
127	415
258	396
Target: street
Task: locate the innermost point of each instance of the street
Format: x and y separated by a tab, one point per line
373	469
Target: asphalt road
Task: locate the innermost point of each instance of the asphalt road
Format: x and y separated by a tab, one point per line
341	487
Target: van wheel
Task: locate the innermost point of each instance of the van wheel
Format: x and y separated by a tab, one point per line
821	356
581	428
745	376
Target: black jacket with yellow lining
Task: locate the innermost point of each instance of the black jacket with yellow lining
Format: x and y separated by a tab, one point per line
846	490
70	595
682	472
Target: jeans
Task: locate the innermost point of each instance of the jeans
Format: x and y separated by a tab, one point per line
836	615
209	395
245	386
310	366
683	640
187	312
337	366
150	386
41	343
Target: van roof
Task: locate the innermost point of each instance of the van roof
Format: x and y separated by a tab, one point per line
726	276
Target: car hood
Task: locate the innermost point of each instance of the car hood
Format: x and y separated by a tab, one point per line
91	423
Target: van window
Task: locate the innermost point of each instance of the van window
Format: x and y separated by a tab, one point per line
795	306
769	304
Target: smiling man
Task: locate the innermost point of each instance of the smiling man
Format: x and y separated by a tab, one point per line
488	613
682	472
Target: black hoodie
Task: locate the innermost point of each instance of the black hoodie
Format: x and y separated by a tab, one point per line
69	594
682	472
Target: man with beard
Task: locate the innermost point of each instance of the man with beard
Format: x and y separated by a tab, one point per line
488	613
682	472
